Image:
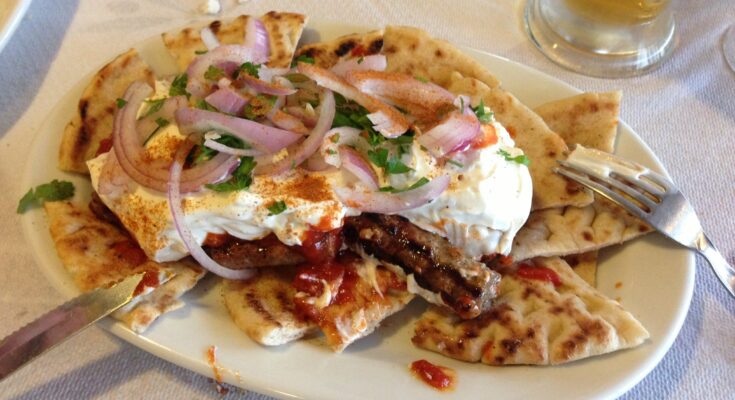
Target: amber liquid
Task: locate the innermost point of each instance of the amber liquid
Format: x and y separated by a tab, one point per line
617	12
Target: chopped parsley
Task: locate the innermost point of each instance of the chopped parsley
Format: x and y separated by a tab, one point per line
484	117
178	86
296	78
214	74
259	106
304	59
421	79
200	52
334	138
52	191
277	207
522	159
241	178
421	182
391	165
154	106
349	113
249	69
121	102
331	151
360	60
403	142
455	163
205	153
160	123
204	105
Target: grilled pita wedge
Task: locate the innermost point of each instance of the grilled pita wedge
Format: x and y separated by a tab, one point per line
93	121
584	265
534	322
589	119
263	307
284	31
573	230
98	254
327	54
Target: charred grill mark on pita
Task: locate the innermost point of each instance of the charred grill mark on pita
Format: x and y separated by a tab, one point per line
345	47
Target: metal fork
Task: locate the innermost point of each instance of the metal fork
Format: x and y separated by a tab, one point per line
649	196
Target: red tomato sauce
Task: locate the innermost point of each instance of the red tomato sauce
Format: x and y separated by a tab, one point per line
130	252
150	279
438	377
527	271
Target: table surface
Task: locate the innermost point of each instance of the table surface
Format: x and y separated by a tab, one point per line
685	111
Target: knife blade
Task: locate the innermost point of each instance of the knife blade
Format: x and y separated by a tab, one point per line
32	340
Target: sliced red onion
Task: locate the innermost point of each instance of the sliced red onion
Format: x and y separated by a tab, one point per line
375	62
316	163
260	86
128	149
267	74
462	103
287	122
356	164
112	179
454	133
335	138
196	251
230	150
227	100
227	54
310	144
263	138
256	38
209	38
148	125
401	89
393	123
300	113
391	203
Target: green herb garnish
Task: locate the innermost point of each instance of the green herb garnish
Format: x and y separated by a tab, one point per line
304	59
391	165
522	159
178	86
456	163
248	68
241	178
484	117
421	79
204	105
360	60
334	138
205	153
200	52
214	74
378	157
154	106
421	182
52	191
121	102
277	207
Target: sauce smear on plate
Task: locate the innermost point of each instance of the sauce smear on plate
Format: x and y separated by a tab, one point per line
438	377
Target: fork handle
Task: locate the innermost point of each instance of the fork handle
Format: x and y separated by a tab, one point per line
719	264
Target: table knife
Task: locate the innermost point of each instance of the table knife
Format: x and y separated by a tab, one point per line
32	340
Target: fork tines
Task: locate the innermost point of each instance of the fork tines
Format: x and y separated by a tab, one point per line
632	186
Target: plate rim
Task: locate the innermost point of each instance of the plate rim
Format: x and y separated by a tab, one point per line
13	21
201	367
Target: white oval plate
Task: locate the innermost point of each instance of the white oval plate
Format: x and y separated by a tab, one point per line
11	12
657	282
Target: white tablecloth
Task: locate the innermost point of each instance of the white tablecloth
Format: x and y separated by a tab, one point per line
685	111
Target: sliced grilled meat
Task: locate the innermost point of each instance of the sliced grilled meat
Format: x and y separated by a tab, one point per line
318	247
465	286
266	252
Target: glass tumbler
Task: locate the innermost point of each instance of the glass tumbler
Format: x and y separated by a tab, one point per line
604	38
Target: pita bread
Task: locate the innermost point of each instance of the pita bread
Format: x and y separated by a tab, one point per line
573	230
534	323
589	119
584	265
327	54
284	31
93	121
98	254
414	52
263	307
